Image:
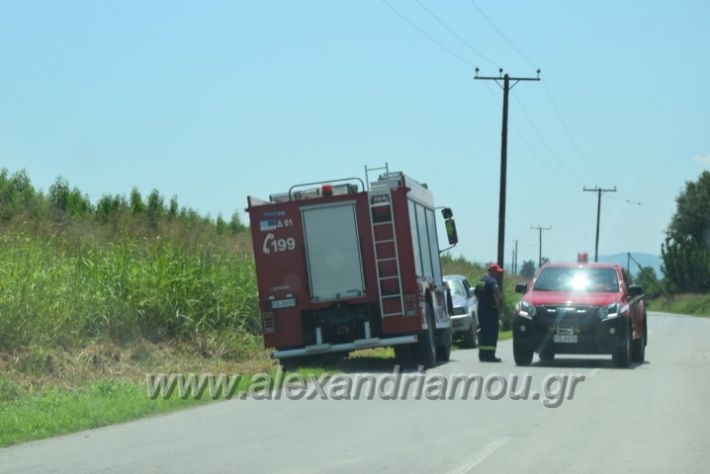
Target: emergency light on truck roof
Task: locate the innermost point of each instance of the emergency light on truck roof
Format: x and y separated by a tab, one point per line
326	189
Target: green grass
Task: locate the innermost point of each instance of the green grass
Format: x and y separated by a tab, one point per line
58	412
61	411
692	304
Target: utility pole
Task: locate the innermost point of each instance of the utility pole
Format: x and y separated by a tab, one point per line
628	263
599	192
506	86
540	228
515	258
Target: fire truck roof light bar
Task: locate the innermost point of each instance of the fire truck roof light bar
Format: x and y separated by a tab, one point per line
329	181
349	346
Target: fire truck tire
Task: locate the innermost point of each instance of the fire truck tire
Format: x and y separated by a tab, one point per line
522	355
426	346
443	351
621	357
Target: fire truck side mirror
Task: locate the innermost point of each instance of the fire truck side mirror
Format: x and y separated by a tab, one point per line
451	231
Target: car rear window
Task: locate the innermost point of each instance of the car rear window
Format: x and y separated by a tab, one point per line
593	280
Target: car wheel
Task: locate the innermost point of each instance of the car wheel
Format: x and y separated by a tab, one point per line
470	337
622	355
522	355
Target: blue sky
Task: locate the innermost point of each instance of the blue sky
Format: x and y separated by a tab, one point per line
213	101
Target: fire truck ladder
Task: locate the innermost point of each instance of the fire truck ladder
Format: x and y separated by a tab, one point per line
384	236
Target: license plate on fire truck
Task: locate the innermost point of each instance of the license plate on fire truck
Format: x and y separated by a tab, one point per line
565	335
284	303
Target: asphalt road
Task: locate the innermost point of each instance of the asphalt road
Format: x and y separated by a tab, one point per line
652	417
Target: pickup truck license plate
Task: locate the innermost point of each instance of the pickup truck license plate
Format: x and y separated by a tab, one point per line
565	338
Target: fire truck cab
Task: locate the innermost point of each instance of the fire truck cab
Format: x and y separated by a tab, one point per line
343	266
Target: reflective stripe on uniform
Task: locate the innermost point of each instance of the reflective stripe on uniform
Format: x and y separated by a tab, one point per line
486	348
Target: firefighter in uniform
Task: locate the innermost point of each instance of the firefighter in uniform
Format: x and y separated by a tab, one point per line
489	306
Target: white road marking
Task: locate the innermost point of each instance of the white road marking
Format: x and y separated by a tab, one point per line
593	372
480	456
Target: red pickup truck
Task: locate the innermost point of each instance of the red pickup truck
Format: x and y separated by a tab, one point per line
580	308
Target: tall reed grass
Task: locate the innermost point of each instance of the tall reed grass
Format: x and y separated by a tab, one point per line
57	292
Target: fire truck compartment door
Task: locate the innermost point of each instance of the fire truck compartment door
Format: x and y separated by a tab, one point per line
333	251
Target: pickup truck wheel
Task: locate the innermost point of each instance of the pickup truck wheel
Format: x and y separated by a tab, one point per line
638	349
426	346
470	338
521	355
621	357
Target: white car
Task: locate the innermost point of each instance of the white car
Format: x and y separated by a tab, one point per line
464	310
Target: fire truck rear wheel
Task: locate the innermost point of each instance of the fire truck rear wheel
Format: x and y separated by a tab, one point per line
426	346
443	351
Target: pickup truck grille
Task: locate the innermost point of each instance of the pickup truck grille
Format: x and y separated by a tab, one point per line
565	311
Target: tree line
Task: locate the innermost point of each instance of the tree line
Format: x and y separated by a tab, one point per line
19	199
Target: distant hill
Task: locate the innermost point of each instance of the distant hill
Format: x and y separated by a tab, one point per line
645	259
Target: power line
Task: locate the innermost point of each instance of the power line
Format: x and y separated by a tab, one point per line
569	134
501	34
533	152
427	35
544	141
547	89
456	35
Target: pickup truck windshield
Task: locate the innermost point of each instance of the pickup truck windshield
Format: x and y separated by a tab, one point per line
593	280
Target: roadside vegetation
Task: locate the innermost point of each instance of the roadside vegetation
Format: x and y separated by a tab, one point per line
95	295
685	285
693	304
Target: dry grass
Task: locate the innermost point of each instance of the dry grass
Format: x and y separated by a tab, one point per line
34	370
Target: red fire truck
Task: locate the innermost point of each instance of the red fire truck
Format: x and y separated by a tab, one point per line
343	266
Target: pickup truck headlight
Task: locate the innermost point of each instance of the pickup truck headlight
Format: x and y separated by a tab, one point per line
610	311
526	309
